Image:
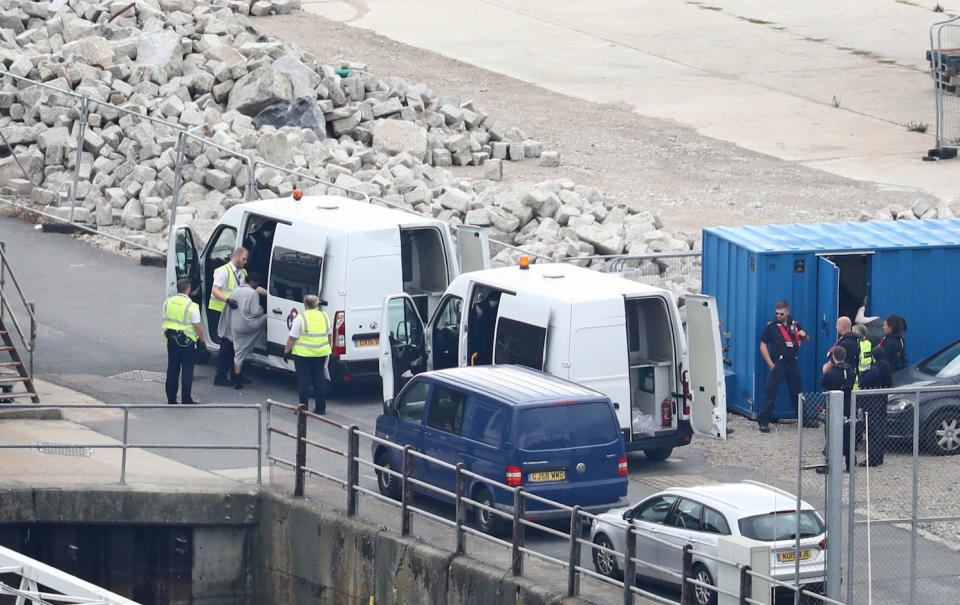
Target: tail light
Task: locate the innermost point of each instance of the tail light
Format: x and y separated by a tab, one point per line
822	544
622	466
666	413
339	334
514	476
686	394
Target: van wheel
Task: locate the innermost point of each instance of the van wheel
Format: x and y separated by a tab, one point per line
487	522
389	485
658	454
703	596
606	563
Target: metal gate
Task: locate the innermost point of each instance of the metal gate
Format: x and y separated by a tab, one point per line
944	57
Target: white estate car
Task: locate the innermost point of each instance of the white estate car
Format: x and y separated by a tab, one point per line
698	516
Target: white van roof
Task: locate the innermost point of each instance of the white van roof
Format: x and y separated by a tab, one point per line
562	281
336	212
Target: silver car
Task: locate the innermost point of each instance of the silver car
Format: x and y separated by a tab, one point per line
699	516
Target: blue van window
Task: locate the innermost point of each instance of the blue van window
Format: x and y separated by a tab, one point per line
446	409
485	422
564	426
413	401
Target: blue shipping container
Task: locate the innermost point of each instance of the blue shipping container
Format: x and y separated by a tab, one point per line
911	268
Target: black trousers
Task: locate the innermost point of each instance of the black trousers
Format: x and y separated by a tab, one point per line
310	380
225	359
875	409
180	362
783	370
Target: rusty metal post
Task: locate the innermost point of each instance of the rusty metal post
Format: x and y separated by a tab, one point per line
519	533
461	510
629	567
406	499
746	584
687	590
353	469
573	578
81	132
301	459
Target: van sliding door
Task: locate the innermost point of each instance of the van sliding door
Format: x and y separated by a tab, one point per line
296	267
520	336
706	377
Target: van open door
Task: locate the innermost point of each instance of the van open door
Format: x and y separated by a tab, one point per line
183	260
403	352
473	248
709	406
296	270
521	333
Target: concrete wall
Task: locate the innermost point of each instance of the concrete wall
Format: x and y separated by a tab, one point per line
306	555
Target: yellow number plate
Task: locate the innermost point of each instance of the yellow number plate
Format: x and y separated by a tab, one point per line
368	342
788	556
548	476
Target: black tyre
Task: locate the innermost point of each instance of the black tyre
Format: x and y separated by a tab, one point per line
942	434
389	484
606	563
701	595
487	522
658	454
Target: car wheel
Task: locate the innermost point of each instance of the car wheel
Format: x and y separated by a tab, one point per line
604	562
658	454
703	596
389	484
943	433
487	522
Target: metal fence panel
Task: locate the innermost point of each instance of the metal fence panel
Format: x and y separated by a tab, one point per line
944	60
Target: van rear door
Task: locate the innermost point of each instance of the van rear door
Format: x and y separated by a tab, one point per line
473	248
520	336
709	406
183	260
296	270
403	351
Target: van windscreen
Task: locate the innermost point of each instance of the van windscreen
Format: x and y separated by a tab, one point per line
564	426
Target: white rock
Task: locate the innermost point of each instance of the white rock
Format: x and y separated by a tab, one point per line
396	136
493	170
161	49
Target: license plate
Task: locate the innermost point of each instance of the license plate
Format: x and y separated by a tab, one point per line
367	342
548	476
790	555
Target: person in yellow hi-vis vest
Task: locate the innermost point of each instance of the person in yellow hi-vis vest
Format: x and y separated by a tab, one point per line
309	343
183	330
226	278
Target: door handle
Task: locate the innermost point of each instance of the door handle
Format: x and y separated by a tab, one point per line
278	311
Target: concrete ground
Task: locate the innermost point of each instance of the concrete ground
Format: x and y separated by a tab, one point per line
829	85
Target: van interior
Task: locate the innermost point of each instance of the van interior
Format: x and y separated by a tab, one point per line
424	264
652	352
853	282
258	240
494	338
481	322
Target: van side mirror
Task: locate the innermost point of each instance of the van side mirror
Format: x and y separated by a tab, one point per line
616	405
628	514
390	408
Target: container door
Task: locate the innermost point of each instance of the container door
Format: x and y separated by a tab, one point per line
828	297
402	344
183	261
296	270
709	406
473	248
521	333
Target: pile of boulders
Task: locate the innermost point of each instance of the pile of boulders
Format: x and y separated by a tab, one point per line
919	209
202	66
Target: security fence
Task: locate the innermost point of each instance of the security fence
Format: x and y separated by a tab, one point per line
316	453
944	58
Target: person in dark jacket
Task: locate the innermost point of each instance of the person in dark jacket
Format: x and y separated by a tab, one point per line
779	347
877	376
849	340
892	342
838	375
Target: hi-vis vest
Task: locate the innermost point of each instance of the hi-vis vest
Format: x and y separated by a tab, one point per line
313	341
215	303
866	349
176	315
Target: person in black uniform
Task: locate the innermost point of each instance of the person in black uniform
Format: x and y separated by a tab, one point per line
779	346
847	339
877	376
838	375
892	342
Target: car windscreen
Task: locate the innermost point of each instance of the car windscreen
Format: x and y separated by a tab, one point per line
944	363
781	526
564	426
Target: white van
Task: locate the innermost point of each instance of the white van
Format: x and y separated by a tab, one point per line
349	253
611	334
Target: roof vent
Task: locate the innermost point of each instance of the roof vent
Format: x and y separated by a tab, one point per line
554	274
328	205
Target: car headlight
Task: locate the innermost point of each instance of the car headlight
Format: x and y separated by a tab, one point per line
899	404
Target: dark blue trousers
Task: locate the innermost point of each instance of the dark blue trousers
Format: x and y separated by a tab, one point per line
783	370
180	362
310	380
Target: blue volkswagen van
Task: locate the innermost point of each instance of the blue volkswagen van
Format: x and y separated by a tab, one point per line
511	424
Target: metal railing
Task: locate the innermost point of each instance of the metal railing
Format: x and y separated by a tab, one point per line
28	339
517	519
125	444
